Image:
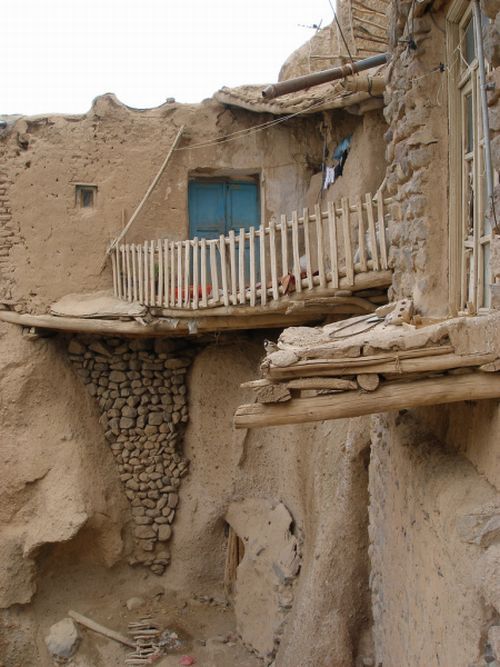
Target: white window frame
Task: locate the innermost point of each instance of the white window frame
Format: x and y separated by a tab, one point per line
470	237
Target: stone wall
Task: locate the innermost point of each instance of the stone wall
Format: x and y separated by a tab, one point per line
9	236
417	175
140	388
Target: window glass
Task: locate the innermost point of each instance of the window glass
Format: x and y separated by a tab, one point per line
469	42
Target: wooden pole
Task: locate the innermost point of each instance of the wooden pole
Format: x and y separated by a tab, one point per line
434	391
148	191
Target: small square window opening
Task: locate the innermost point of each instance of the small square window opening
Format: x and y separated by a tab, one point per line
85	196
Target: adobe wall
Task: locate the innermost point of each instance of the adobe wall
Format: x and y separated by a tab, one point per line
434	519
119	150
434	481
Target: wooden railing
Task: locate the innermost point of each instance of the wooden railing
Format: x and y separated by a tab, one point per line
319	250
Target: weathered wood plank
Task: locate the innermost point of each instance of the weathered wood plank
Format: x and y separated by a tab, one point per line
396	396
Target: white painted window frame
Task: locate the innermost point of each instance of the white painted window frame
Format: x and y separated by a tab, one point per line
469	243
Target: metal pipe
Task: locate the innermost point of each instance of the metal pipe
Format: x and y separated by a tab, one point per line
488	167
308	80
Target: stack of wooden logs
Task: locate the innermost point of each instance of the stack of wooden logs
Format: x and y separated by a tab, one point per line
388	360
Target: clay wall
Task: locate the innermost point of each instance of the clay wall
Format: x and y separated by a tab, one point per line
119	150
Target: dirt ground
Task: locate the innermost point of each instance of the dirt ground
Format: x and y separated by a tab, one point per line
205	626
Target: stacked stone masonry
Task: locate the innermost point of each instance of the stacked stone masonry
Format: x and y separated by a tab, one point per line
140	388
416	139
8	238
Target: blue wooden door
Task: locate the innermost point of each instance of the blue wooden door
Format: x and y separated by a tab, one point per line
216	207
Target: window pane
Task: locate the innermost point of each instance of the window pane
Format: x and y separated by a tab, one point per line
469	124
469	46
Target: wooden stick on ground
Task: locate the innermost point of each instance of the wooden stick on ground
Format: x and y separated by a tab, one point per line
100	629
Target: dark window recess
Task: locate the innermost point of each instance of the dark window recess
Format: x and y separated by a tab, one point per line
86	196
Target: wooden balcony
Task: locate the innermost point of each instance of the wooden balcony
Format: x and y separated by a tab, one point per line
296	270
332	261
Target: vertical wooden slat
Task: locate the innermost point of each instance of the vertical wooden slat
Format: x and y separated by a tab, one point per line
232	264
124	272
263	262
145	256
241	267
159	296
346	226
372	232
223	269
115	275
166	273
204	289
140	274
178	247
172	274
381	230
129	272
361	236
133	259
284	245
187	274
118	273
320	237
152	272
196	269
272	255
307	246
332	234
253	282
214	273
295	252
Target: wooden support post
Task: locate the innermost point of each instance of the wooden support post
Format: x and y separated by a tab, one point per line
214	272
321	245
284	245
223	268
140	274
166	268
253	281
204	288
346	226
178	246
187	274
196	269
296	252
361	236
395	396
159	295
272	253
232	265
241	266
381	230
372	232
334	255
263	261
307	246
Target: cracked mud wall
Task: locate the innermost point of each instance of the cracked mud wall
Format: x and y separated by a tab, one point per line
434	535
120	150
318	472
58	478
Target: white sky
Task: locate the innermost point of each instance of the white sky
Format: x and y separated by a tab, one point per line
57	55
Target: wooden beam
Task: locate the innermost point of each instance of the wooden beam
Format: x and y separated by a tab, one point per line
397	396
396	363
167	327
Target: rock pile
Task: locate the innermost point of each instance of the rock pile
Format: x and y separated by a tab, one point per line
140	388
